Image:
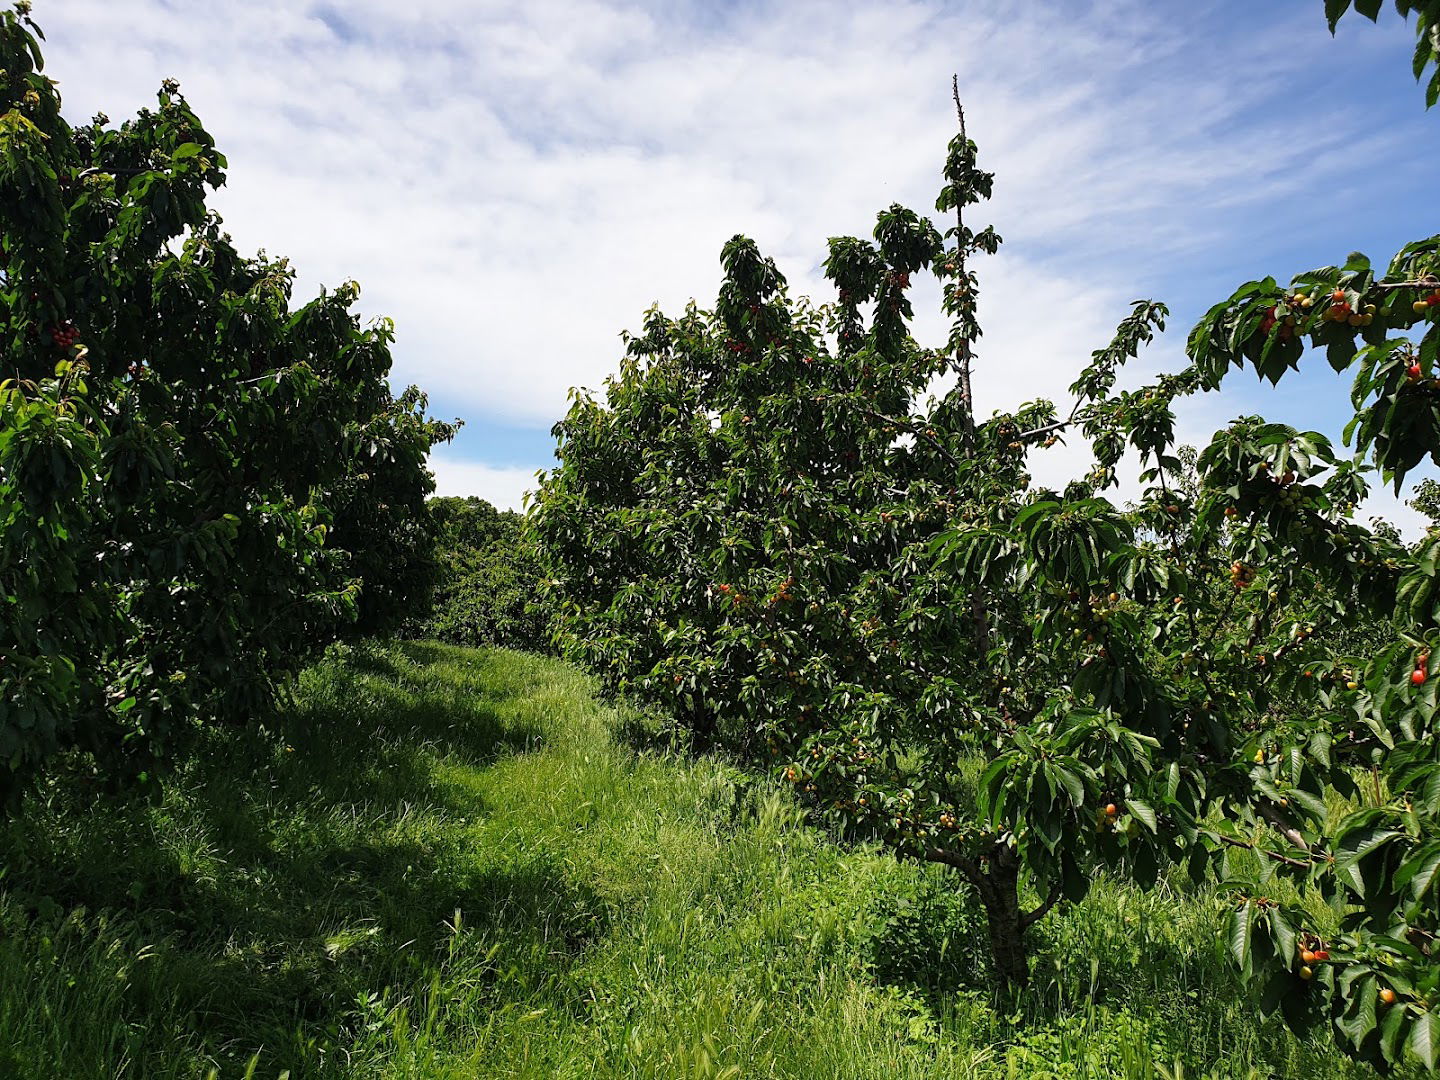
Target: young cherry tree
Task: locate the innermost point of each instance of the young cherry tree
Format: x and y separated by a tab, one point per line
200	486
761	528
763	532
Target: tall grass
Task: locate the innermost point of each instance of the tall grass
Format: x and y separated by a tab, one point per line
443	863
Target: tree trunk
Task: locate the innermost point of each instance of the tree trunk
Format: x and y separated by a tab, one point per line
703	724
1007	933
998	884
996	879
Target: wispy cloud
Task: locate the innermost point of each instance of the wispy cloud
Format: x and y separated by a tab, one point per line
514	183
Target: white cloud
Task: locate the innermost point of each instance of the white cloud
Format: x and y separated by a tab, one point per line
503	488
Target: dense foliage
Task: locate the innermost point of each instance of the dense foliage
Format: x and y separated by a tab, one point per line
763	527
488	579
200	485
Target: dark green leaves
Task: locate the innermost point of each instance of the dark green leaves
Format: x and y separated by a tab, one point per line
198	488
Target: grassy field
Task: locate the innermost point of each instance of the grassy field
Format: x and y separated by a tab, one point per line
447	864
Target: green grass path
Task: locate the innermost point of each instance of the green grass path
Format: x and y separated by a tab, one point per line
445	864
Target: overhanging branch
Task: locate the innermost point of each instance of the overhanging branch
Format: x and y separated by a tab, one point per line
1029	920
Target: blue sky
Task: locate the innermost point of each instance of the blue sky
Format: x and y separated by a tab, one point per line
514	183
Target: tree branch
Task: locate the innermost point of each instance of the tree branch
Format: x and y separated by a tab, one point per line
919	430
1429	281
964	863
97	171
1284	828
1247	846
1054	425
1027	921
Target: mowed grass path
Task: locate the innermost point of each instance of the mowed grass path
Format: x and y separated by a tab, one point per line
445	863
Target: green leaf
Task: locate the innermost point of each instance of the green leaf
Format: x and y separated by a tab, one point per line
1424	877
1390	1030
1358	843
1358	1020
1424	1041
1283	932
1144	812
1074	786
1237	936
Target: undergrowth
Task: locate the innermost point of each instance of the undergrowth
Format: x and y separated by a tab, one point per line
445	863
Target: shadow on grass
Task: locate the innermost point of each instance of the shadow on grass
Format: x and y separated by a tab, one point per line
289	875
934	942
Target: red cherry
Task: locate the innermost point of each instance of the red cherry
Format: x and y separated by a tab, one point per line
1418	677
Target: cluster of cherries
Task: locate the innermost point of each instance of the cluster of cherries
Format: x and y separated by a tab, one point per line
1312	952
1414	373
64	335
733	593
1420	307
1242	575
1287	324
1341	311
783	595
1422	670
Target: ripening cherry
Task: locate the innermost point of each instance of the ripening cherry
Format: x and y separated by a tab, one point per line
1413	372
1418	677
1387	996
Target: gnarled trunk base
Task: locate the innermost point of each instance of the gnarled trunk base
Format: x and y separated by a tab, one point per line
999	888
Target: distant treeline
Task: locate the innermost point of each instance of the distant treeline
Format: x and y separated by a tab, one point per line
486	579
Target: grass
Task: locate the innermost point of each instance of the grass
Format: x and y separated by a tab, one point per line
444	863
